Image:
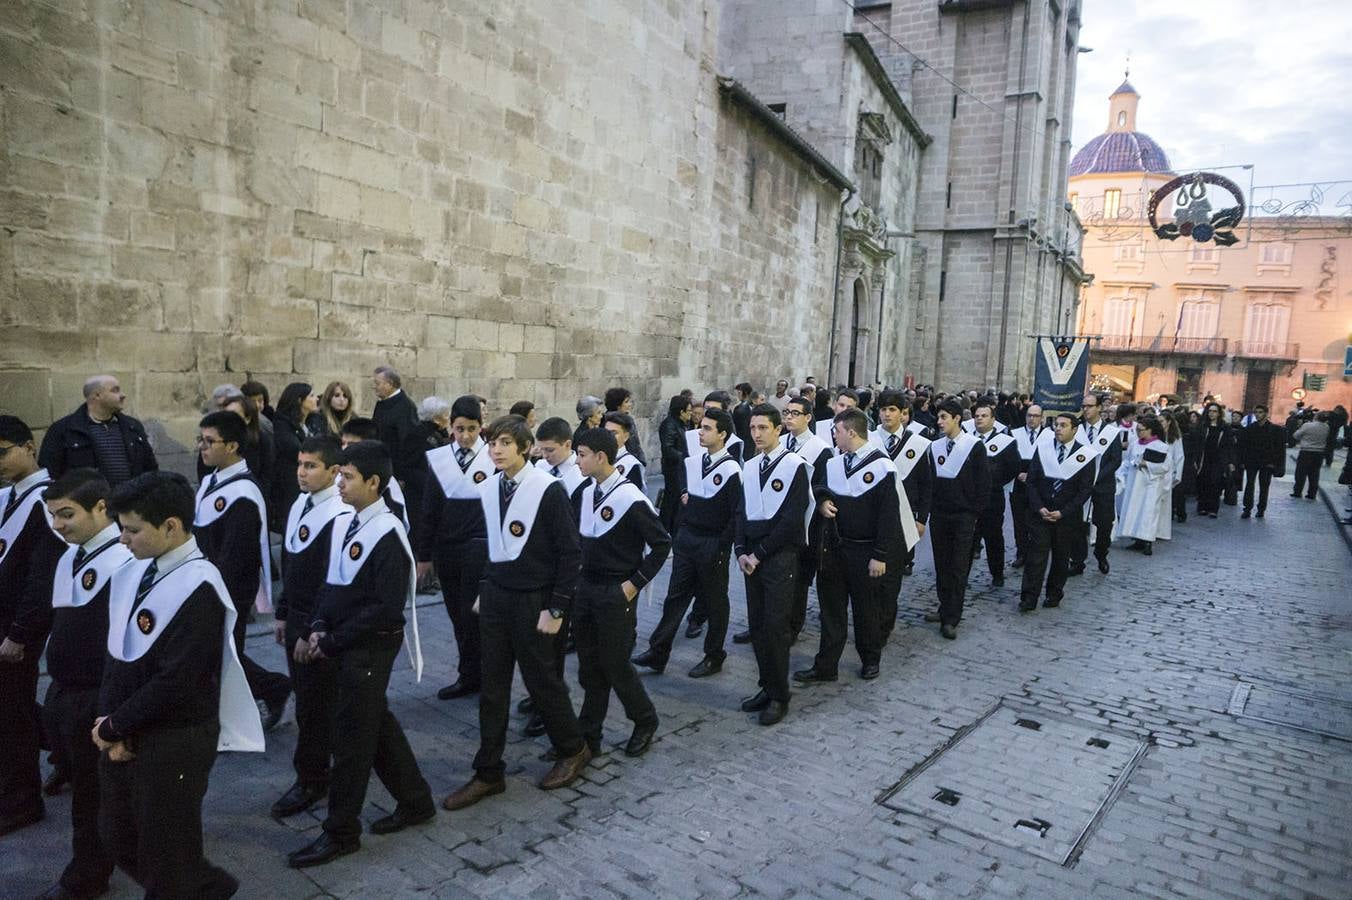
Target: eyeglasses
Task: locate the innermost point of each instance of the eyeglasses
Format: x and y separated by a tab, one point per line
789	413
203	441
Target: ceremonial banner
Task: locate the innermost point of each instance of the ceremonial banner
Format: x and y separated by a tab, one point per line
1062	369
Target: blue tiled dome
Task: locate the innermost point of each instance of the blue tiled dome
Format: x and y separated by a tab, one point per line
1120	151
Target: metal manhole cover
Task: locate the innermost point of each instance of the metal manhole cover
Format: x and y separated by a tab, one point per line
1327	716
1024	779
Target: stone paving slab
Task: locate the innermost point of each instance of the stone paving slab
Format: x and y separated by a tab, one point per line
1220	806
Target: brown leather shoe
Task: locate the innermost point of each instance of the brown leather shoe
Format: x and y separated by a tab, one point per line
565	771
473	791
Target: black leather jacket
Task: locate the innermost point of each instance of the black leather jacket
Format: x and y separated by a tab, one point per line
68	445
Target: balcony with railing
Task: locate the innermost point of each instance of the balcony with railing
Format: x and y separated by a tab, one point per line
1266	350
1161	344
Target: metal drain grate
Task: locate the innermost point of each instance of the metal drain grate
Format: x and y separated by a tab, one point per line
1038	784
1276	705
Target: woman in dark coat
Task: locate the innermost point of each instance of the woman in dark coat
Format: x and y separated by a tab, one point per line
289	429
1215	460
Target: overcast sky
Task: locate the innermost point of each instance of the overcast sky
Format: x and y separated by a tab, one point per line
1227	82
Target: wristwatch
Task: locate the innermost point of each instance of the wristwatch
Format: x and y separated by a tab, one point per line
556	613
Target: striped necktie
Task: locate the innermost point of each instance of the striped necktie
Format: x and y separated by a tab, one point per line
352	528
80	555
147	582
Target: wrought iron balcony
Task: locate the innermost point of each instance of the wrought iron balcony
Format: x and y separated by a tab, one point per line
1161	343
1266	350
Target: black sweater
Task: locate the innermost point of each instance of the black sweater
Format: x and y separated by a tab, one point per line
617	555
231	543
551	559
785	529
874	516
919	482
26	582
968	493
177	681
78	645
1074	493
716	516
349	614
446	525
303	576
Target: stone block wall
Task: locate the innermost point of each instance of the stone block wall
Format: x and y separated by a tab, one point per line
519	200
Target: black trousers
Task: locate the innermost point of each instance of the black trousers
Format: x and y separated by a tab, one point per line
507	621
1103	511
699	571
889	587
1263	476
20	777
150	812
603	630
769	594
1019	511
1234	483
1049	556
1210	482
316	686
1179	499
809	561
843	586
68	716
459	570
263	684
951	541
1307	469
990	530
671	501
368	736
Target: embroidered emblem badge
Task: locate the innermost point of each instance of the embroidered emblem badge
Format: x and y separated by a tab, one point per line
354	552
517	529
145	621
87	580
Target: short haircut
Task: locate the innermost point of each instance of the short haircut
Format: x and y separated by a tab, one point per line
722	397
361	428
950	406
587	406
554	429
616	396
522	408
156	497
865	398
744	388
847	392
722	420
467	407
95	383
514	427
802	403
1098	398
1258	406
85	487
986	402
431	407
893	398
325	446
599	440
855	420
624	420
369	458
255	389
229	426
1126	410
1065	414
769	411
677	405
389	374
15	430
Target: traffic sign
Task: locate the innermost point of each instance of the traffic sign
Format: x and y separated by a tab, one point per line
1347	361
1298	393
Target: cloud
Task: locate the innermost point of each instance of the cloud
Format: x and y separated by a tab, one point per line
1226	82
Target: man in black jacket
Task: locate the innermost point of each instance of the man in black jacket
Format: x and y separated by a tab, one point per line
1262	453
962	488
671	438
1060	480
396	418
741	413
98	436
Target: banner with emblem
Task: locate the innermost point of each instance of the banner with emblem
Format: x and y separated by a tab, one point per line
1061	373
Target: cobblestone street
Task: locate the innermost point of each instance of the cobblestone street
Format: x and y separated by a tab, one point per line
1181	727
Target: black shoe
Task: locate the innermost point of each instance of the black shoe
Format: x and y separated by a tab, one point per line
527	705
998	581
1075	570
460	688
1026	606
706	667
297	800
813	675
1297	494
1017	563
756	701
535	727
56	782
23	820
908	569
1103	566
650	659
1246	514
742	637
325	848
1049	603
1259	514
869	672
694	629
399	820
1149	550
1212	515
932	617
640	740
948	631
59	891
774	712
273	709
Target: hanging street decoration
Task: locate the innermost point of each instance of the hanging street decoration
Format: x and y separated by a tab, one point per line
1192	210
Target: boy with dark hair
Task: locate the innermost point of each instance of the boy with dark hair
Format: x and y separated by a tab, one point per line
452	537
627	464
554	437
173	693
78	505
1060	480
741	413
359	623
800	438
616	522
306	543
621	399
961	489
358	429
710	495
528	584
770	530
904	442
230	526
1003	462
671	440
715	400
825	427
29	550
